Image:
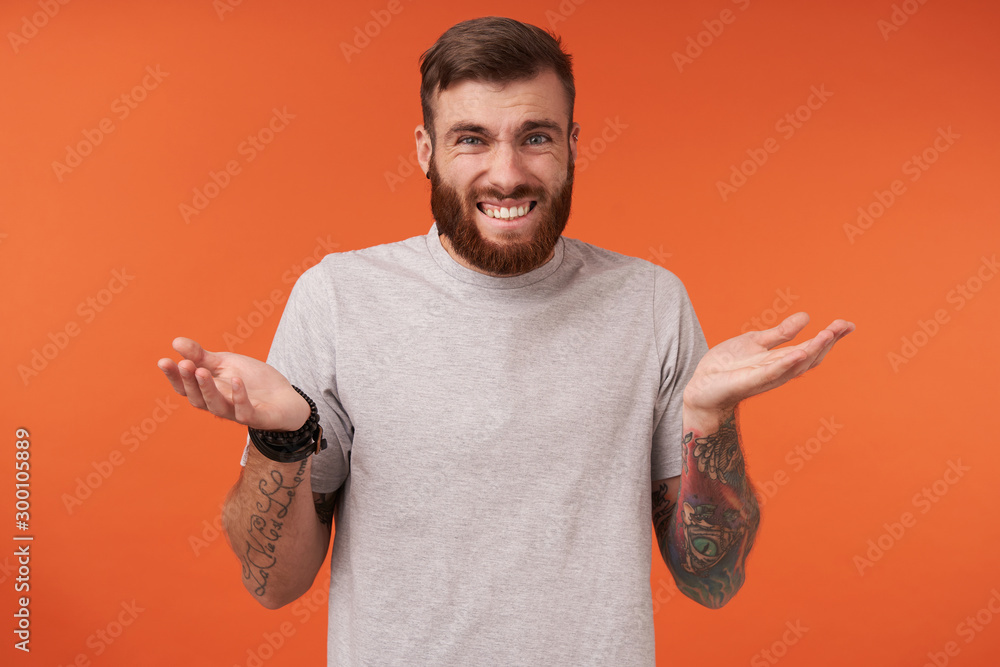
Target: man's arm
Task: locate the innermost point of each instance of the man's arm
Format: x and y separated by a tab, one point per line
706	519
278	535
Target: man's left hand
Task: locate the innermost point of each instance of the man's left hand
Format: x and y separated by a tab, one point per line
752	363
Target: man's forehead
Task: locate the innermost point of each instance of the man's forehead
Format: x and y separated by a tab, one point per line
538	99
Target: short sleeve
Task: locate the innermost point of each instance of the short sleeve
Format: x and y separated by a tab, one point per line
680	345
303	350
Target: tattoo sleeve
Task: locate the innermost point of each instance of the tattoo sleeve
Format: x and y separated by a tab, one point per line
707	533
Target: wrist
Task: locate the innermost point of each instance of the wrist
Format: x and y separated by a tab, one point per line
705	419
302	413
292	446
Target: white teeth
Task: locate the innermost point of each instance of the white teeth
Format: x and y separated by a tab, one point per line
506	213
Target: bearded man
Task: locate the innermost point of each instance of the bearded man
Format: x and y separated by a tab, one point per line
492	413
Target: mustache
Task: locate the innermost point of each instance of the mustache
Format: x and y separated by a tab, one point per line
520	192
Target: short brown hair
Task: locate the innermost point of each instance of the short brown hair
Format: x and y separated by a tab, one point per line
493	49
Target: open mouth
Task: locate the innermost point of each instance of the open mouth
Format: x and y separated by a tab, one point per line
517	210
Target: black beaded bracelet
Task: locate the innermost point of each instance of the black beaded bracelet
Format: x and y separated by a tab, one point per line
291	446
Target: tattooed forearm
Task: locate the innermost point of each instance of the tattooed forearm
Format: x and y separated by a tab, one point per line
708	532
265	525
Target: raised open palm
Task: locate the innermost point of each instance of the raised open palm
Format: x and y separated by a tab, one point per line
235	387
752	363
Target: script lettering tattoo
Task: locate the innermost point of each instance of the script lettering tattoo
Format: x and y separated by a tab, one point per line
265	525
707	533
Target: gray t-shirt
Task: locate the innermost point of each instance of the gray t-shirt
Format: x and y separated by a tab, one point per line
496	439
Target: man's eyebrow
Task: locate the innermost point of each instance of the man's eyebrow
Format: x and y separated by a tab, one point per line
545	124
468	128
526	126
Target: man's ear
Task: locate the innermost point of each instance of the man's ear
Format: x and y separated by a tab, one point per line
424	148
574	138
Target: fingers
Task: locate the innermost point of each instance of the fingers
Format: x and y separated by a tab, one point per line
793	361
779	371
192	390
818	347
181	375
215	401
241	402
786	330
169	369
839	329
757	379
193	377
190	349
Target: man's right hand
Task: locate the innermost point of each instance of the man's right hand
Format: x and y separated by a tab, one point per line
217	382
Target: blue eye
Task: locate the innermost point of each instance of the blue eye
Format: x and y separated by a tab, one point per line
544	139
467	141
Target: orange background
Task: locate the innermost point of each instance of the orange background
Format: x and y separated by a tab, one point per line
144	535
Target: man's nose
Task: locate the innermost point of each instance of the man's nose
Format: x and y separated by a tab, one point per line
506	167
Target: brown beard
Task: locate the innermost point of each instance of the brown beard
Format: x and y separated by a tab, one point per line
456	219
